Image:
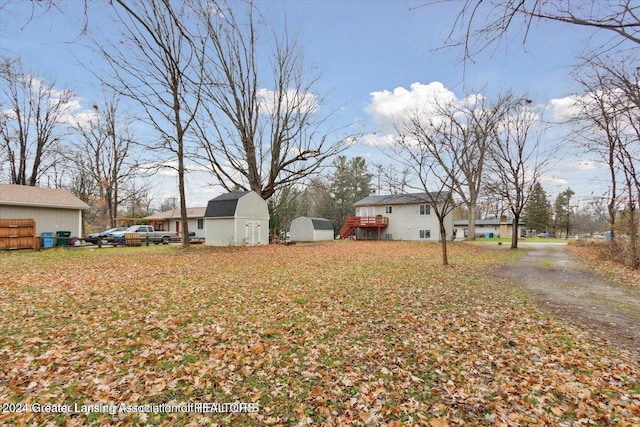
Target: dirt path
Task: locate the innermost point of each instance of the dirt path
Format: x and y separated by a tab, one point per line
605	310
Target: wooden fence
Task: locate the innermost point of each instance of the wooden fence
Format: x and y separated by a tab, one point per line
18	234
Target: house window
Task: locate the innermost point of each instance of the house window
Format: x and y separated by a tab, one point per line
200	223
388	209
425	210
425	234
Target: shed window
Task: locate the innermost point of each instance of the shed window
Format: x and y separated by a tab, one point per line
425	234
200	223
388	209
425	210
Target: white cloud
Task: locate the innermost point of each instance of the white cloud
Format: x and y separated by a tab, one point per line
585	165
387	106
566	108
377	140
303	102
553	180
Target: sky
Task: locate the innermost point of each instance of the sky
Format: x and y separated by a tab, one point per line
373	56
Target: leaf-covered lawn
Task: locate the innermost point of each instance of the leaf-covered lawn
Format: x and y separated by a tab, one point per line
349	333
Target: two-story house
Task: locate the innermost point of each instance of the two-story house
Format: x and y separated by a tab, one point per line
396	217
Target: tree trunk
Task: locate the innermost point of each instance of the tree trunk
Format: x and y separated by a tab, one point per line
514	233
183	199
472	221
634	261
443	241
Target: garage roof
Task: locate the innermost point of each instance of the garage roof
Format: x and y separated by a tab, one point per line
26	195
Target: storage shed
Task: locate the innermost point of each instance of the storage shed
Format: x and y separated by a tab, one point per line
53	209
304	229
238	218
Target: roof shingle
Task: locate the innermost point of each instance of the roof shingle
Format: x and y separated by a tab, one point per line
26	195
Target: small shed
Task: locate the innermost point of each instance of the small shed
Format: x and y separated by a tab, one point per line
304	229
237	218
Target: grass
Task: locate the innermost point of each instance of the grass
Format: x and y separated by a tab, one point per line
336	334
521	240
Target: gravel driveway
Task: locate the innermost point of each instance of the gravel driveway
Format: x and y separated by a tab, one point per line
588	300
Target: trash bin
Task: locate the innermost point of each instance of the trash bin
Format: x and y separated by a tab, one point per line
47	240
63	237
491	235
487	235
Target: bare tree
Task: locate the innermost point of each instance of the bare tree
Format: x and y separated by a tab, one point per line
257	137
104	153
31	114
486	23
599	131
157	64
418	138
517	159
387	178
463	146
608	112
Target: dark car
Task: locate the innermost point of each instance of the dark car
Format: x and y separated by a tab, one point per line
105	235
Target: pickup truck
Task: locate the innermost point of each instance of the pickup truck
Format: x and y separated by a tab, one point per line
145	231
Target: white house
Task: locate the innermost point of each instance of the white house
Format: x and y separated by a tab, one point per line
53	209
397	217
238	218
304	229
171	221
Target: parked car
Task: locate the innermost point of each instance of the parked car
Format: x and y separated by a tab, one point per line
145	232
105	236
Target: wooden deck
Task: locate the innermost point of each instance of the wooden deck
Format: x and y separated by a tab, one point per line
352	223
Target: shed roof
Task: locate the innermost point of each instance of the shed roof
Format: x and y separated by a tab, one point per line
321	224
26	195
224	205
400	199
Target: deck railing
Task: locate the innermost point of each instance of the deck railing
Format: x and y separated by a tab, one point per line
353	222
367	221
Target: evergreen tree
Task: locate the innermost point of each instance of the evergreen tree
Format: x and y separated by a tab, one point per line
350	182
562	212
537	212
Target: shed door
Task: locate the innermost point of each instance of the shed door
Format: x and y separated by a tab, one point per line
252	233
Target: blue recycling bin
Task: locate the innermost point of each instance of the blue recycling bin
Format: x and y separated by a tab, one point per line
47	240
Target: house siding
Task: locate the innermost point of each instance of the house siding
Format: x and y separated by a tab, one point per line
47	219
193	226
405	222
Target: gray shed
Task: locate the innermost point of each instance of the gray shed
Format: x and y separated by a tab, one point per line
304	229
238	218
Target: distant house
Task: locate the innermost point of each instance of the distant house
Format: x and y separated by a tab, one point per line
304	229
53	209
238	218
171	221
502	227
396	217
